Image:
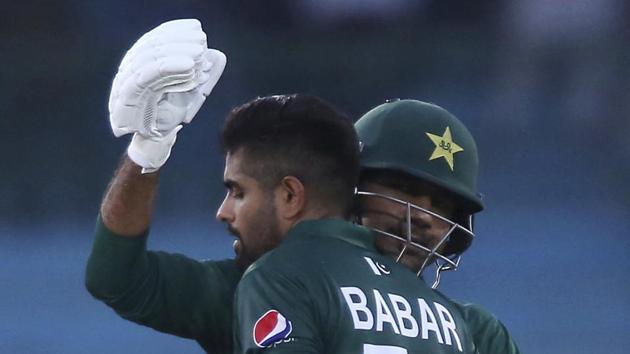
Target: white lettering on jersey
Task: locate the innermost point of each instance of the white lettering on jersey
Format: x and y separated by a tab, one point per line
359	306
370	262
383	349
377	268
448	325
383	313
402	309
428	321
408	321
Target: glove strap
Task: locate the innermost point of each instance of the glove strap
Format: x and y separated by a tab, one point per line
151	152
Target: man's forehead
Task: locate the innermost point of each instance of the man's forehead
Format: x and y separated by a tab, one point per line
233	165
237	168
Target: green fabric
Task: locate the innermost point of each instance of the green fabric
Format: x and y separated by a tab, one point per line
305	279
168	292
192	299
490	335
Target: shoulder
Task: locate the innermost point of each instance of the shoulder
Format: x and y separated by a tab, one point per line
489	333
225	265
226	268
474	313
298	255
283	262
292	265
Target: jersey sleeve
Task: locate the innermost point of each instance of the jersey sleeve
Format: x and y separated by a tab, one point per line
275	314
168	292
489	334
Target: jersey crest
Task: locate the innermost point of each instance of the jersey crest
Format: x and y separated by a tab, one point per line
377	268
270	328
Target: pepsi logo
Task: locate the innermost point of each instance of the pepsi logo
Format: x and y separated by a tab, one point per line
270	328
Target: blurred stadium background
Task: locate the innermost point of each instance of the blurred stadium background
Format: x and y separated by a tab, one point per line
544	86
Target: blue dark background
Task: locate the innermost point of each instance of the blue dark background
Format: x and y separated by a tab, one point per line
544	86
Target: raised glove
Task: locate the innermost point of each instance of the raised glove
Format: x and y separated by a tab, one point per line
170	59
161	83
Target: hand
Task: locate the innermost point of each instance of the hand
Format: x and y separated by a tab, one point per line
152	152
161	83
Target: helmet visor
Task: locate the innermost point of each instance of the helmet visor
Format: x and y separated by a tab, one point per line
414	236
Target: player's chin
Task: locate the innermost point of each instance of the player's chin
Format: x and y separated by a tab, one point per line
245	257
243	262
413	263
417	257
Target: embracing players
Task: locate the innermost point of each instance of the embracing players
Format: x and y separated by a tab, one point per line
162	82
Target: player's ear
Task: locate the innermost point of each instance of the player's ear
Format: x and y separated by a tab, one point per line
291	196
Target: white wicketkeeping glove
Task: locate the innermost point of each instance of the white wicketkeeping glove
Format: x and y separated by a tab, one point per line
161	83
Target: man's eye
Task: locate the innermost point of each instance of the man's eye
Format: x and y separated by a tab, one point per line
234	192
438	208
442	206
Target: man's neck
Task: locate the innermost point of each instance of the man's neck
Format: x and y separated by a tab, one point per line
313	214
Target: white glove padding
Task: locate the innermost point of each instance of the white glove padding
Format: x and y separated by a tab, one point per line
179	107
152	152
164	79
176	31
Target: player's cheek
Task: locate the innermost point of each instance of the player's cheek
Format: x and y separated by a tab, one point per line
384	244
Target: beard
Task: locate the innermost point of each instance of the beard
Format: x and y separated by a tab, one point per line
412	257
259	236
393	248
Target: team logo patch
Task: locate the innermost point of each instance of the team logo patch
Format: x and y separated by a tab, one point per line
270	328
444	147
377	268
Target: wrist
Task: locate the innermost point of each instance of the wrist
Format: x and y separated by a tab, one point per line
151	153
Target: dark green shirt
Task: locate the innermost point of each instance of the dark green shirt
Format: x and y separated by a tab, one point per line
489	334
325	289
168	292
193	299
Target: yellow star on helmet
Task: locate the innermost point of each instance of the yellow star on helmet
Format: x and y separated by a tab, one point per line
444	147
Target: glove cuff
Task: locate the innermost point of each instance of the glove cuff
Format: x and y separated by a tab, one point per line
151	152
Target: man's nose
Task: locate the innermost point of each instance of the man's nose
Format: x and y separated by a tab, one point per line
224	213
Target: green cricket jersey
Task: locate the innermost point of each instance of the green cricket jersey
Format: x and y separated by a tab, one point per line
193	299
489	334
168	292
325	289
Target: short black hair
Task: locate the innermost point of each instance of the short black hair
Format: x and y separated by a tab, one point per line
297	135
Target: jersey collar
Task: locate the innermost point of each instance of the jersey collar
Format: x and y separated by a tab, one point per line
335	228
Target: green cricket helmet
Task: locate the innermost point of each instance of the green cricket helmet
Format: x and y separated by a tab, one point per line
427	143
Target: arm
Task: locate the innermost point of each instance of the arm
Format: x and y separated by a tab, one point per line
128	204
168	292
160	85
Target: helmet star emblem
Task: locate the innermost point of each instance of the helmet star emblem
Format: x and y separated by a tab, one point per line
444	147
